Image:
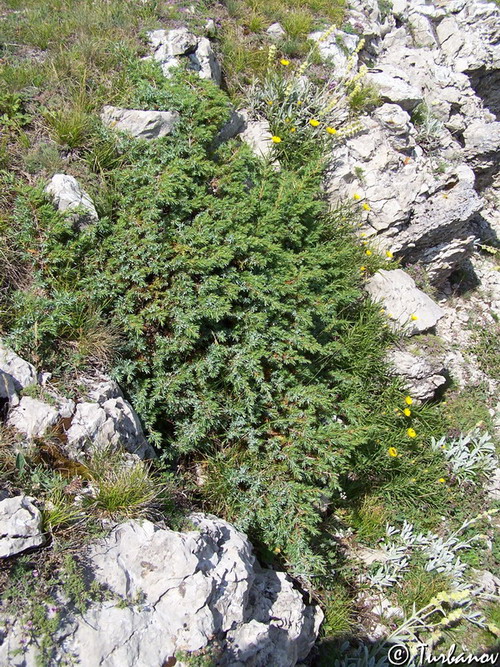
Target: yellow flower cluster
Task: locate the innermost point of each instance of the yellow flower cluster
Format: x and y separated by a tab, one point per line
455	596
327	33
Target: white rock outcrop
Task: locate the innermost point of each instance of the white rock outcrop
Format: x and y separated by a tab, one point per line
20	526
140	124
106	421
70	198
172	593
422	373
170	47
20	372
405	305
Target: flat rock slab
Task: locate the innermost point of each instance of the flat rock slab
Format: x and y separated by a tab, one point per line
405	305
20	526
140	124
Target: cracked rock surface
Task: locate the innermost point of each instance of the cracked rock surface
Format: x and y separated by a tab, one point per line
172	592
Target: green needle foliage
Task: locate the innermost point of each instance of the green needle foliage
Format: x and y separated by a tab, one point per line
244	339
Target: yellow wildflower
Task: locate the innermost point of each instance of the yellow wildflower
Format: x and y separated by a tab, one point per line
284	62
389	254
270	102
275	140
277	550
392	451
367	207
411	433
407	412
441	480
314	122
356	197
293	129
368	252
331	130
362	268
299	102
408	400
413	317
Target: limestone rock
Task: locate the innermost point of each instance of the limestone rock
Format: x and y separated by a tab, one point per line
394	86
181	591
482	144
20	526
8	390
140	124
275	31
421	372
234	126
170	46
401	299
106	421
20	372
337	48
204	62
257	134
33	417
68	197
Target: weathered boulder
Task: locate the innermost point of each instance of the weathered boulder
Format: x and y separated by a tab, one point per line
421	372
175	592
405	305
68	197
20	372
33	417
482	145
140	124
20	526
275	31
394	86
235	125
257	134
107	420
171	46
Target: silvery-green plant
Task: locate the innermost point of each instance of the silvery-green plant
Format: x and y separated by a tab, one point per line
424	626
440	553
470	456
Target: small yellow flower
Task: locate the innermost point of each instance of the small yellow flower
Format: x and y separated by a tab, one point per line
314	122
362	268
270	102
331	130
413	317
293	129
299	102
356	197
276	140
284	62
367	207
368	252
441	480
408	400
407	412
277	550
389	254
362	233
392	451
411	433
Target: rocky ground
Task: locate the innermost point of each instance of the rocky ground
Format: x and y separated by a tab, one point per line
425	164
